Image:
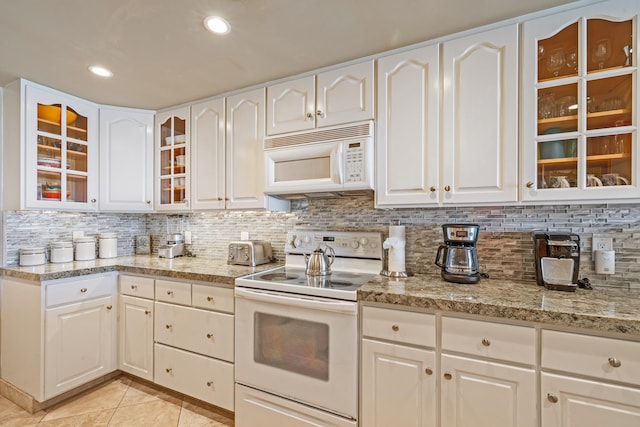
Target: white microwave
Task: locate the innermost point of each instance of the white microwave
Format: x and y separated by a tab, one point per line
333	159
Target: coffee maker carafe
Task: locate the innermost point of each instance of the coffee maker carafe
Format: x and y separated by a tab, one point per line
458	257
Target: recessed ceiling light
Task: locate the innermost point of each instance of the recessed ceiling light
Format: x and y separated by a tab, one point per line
216	25
100	71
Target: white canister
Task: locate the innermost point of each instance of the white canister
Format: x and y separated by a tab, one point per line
32	256
61	252
108	245
85	248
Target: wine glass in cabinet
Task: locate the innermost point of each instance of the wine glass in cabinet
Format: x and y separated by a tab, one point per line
580	103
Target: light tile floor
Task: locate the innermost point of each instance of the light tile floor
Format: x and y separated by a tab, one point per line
120	402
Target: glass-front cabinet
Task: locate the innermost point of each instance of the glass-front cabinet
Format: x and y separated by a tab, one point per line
172	160
580	104
61	144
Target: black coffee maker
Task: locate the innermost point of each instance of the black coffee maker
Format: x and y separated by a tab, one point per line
547	244
458	257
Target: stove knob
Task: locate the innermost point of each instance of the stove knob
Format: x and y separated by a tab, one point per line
364	241
307	239
297	243
355	244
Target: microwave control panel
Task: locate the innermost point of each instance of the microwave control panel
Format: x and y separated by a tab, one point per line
355	161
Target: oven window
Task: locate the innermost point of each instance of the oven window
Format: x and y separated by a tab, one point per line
299	170
292	344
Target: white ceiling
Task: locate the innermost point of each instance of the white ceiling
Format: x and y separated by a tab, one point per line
161	54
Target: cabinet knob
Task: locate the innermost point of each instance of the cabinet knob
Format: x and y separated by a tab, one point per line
320	114
428	371
486	342
447	188
529	184
209	383
552	398
447	376
93	200
185	201
170	293
220	199
83	290
432	189
615	363
148	202
168	326
109	307
209	336
209	299
134	287
169	370
147	312
309	116
395	328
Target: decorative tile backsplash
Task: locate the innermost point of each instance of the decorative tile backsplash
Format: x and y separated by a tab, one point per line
505	247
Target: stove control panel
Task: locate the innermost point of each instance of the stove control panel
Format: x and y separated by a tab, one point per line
355	244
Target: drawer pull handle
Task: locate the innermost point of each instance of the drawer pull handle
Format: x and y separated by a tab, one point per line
447	188
486	342
147	312
209	383
552	398
83	290
209	336
209	299
134	287
395	328
169	293
169	370
432	189
109	307
169	326
428	371
616	363
447	376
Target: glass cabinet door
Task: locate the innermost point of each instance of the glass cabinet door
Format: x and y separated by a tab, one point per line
62	154
173	164
585	92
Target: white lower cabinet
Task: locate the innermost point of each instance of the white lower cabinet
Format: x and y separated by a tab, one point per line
135	336
202	377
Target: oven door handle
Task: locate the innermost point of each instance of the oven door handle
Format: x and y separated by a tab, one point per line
346	307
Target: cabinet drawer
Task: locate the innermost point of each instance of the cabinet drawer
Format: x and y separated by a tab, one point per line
401	326
175	292
200	331
213	298
487	339
204	378
136	286
592	356
79	290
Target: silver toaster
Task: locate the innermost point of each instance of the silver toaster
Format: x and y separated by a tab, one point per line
250	252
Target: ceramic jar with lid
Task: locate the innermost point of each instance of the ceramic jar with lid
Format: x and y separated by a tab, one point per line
32	256
108	245
61	252
85	248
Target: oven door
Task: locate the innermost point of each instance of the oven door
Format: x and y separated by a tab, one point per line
304	168
299	347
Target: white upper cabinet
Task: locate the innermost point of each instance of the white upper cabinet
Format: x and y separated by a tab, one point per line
480	118
407	134
580	104
173	160
333	97
126	160
50	154
208	155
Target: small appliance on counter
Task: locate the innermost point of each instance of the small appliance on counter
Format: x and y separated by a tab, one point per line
458	257
552	251
250	253
174	246
394	255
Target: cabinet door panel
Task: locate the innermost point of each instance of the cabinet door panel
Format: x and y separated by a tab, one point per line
136	336
398	385
480	131
571	402
476	393
407	145
345	95
289	105
78	344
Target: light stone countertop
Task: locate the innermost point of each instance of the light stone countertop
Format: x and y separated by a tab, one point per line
197	269
603	309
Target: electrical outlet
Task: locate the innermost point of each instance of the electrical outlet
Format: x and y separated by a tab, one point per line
602	244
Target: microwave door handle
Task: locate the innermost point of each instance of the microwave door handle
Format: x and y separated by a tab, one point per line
338	170
346	307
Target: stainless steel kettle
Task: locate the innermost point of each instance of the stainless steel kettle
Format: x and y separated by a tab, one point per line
319	262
